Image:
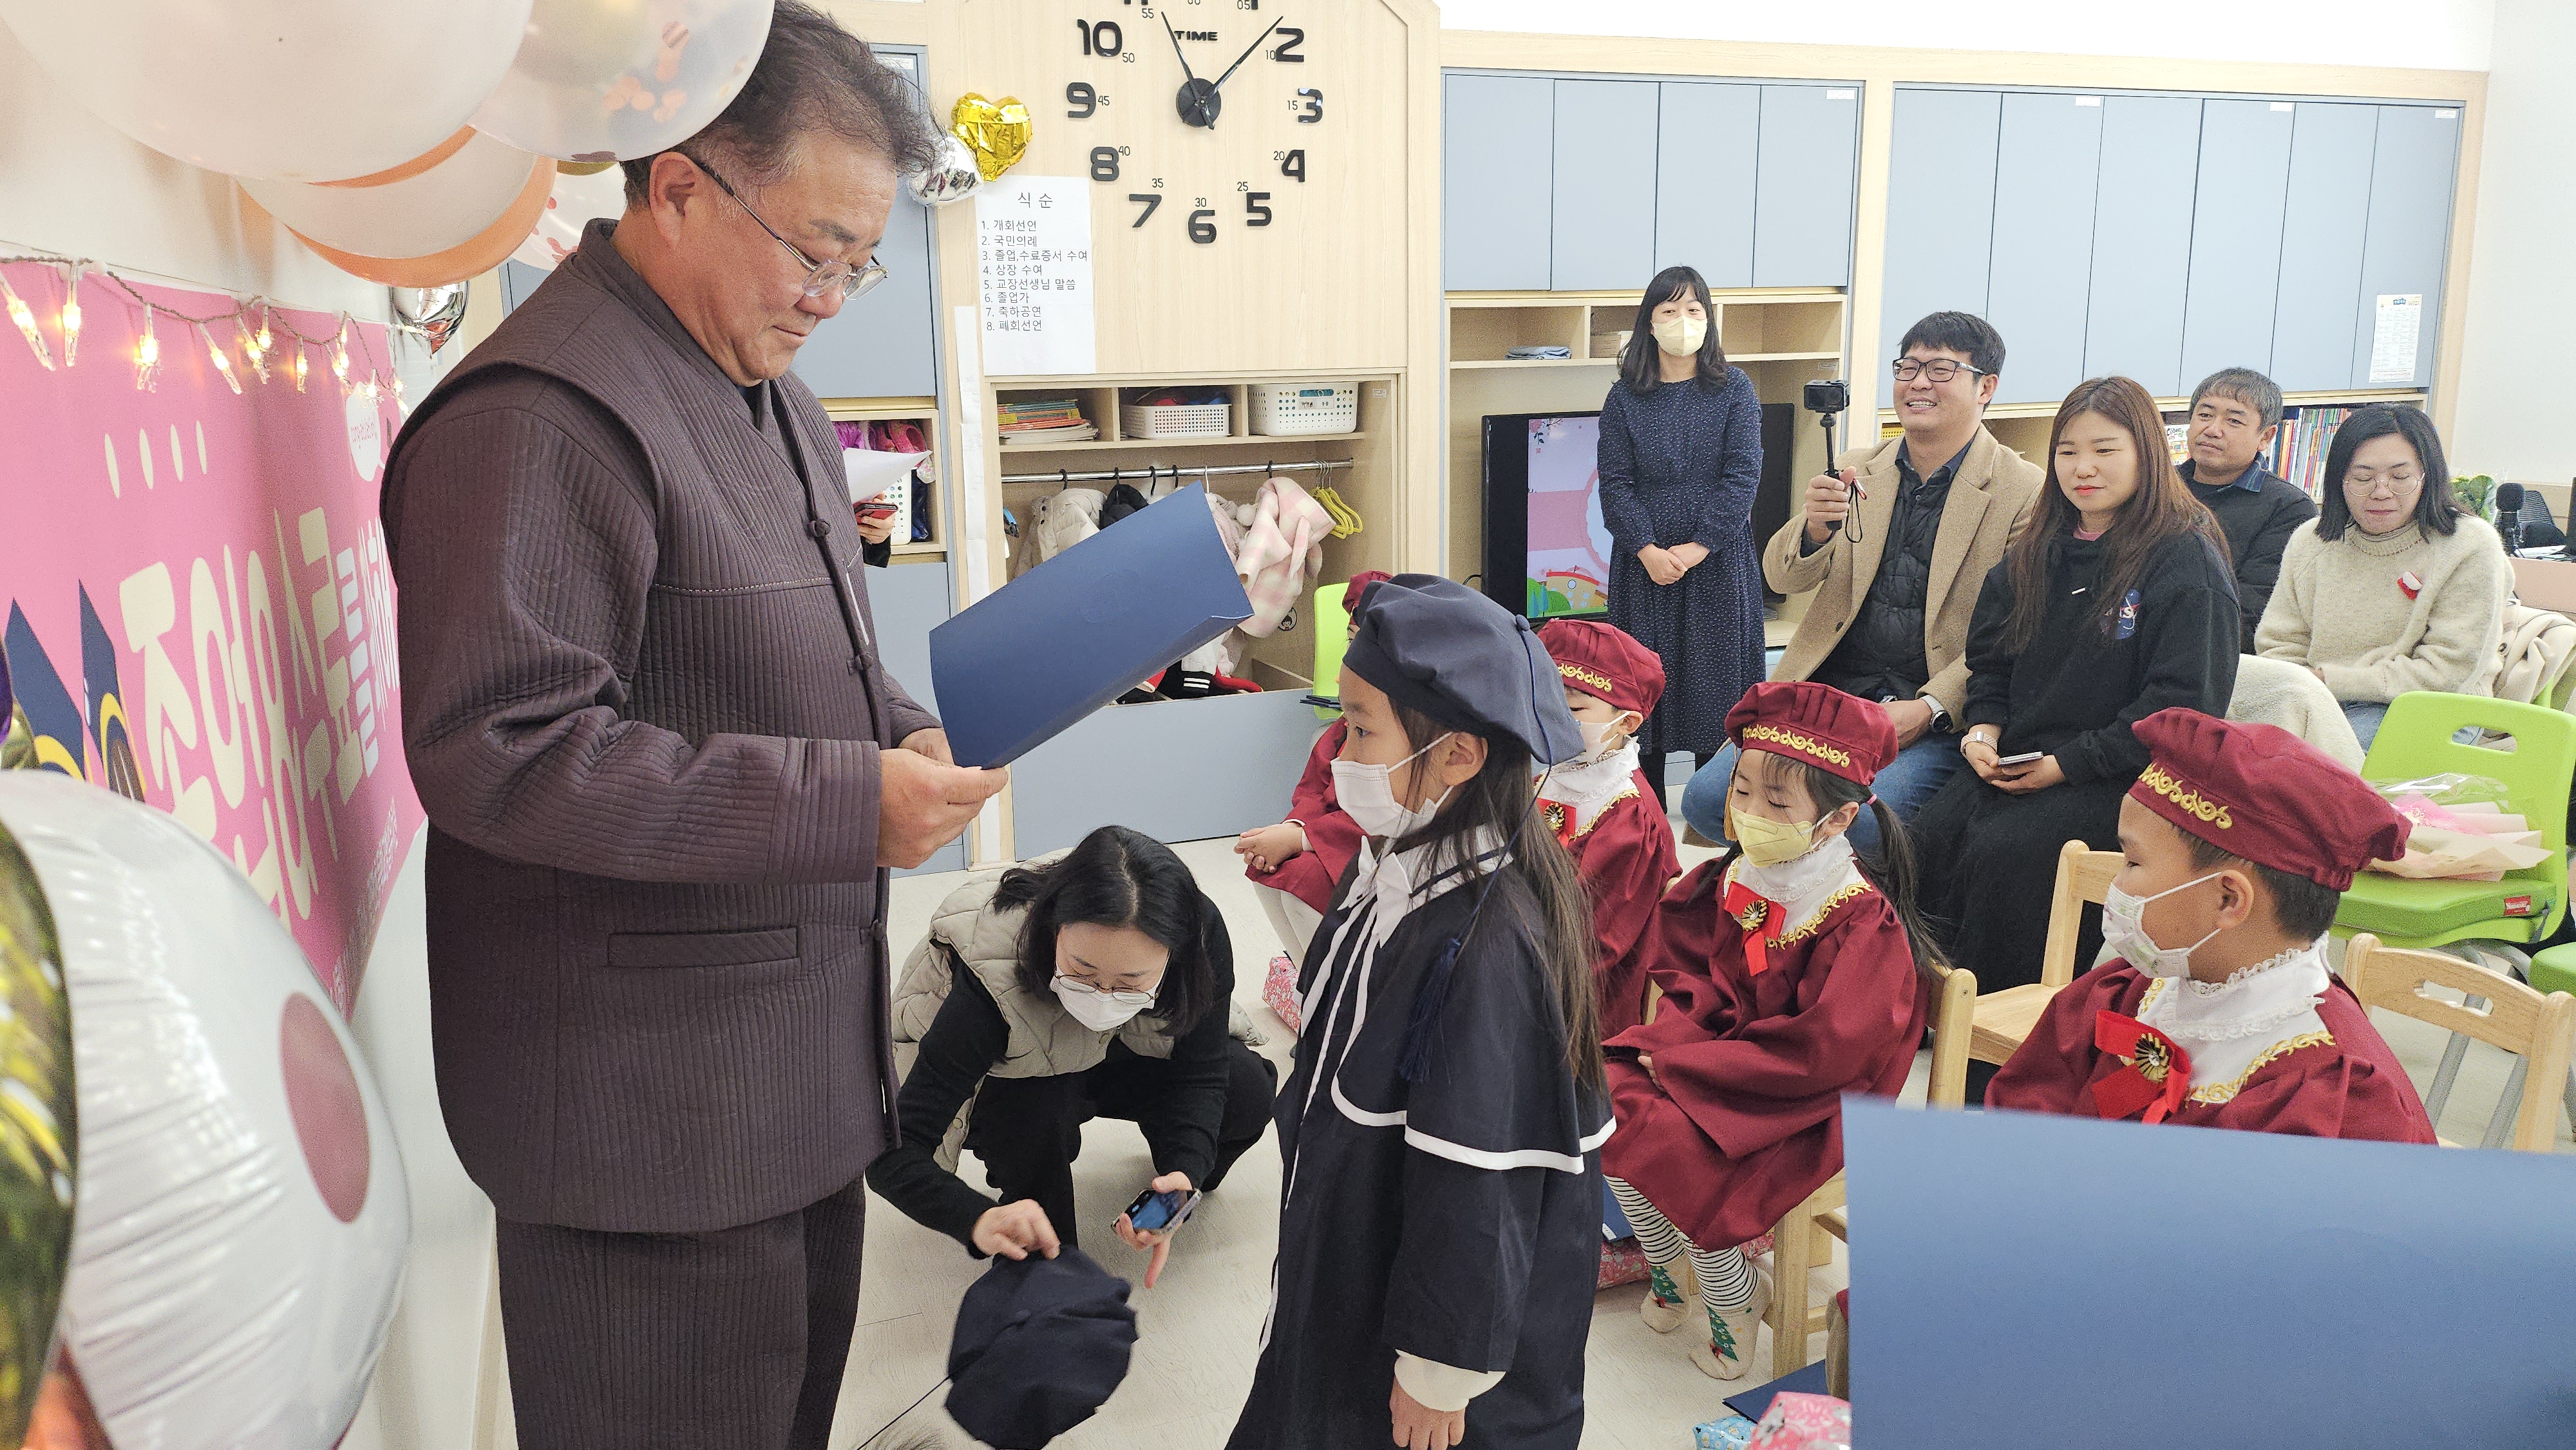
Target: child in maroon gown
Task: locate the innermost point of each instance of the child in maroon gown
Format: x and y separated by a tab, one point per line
1790	977
1297	862
2238	841
1609	817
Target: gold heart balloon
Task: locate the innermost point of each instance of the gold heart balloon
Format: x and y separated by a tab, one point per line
996	131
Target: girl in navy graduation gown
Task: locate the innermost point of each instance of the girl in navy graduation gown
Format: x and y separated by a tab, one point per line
1440	1219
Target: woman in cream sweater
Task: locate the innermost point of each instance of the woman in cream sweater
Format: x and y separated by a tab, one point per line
2392	587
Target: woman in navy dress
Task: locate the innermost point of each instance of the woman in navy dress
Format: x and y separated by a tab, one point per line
1681	454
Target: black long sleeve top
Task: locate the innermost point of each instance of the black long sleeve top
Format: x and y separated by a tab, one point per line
2078	688
969	1036
2258	513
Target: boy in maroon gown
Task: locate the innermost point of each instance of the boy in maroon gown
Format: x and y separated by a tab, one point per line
1298	862
1610	817
1790	977
2240	839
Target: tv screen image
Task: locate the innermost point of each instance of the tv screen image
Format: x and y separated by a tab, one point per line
1568	549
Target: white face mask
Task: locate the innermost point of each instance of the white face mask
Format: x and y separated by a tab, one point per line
1681	336
2124	929
1366	795
1601	740
1098	1010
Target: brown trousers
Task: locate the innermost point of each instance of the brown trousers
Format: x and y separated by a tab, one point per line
737	1337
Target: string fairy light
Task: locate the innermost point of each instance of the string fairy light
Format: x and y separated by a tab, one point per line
25	316
299	365
223	362
70	321
251	351
147	357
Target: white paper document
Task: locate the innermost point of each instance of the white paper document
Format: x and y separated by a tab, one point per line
2399	326
1033	275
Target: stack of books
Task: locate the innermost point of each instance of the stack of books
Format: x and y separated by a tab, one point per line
2299	452
1043	420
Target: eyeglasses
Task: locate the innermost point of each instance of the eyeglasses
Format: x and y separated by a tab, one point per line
1123	999
1939	370
820	277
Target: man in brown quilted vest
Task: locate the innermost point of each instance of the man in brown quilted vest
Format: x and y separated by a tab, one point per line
666	771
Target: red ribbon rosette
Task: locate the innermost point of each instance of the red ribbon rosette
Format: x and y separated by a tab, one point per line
2157	1075
1760	917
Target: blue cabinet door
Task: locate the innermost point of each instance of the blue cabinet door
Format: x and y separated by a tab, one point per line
1705	146
2404	244
1940	208
2039	274
1497	149
1602	209
2316	314
881	345
1802	209
2237	201
2142	240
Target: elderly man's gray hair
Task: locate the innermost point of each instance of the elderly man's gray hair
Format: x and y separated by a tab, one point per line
2245	386
813	77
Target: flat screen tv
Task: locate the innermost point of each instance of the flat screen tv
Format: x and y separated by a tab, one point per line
1547	552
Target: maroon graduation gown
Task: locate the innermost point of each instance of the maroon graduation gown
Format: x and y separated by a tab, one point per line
1742	1117
1332	838
1627	858
2348	1087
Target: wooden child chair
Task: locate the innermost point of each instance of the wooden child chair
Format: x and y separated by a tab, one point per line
1796	1243
2539	1030
2005	1017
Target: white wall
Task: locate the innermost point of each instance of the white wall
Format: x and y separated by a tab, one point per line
2437	34
2511	419
70	184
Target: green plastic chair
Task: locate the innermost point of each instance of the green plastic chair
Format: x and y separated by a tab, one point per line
2498	917
1332	631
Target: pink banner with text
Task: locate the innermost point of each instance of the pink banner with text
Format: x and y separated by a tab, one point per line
200	611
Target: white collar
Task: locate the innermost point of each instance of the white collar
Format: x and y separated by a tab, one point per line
1391	887
1801	887
2229	1027
1590	789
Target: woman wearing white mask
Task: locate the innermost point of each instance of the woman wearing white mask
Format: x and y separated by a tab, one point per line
1791	976
1602	808
1097	982
1681	456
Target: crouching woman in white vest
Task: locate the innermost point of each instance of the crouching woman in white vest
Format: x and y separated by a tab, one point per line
1097	982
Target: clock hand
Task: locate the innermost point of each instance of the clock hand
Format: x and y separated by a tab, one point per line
1186	72
1247	55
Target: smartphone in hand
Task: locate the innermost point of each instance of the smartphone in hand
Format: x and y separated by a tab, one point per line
1157	1212
2027	757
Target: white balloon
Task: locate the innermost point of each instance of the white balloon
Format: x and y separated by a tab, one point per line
242	1219
446	206
375	82
603	79
577	201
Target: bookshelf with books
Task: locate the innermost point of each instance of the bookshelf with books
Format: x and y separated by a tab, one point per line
2298	452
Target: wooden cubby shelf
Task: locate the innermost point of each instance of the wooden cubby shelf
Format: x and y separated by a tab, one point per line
924	411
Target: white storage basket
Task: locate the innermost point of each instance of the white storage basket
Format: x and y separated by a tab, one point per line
1286	408
1168	420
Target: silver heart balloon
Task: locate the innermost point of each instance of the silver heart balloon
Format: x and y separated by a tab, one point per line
953	177
433	312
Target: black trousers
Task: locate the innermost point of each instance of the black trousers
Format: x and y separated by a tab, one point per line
737	1337
1028	1130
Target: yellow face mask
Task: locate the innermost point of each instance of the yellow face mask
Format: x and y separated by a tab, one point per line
1766	842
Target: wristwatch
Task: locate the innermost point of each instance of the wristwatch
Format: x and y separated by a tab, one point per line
1940	717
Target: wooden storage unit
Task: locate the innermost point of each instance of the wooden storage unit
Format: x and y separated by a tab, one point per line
925	412
1783	338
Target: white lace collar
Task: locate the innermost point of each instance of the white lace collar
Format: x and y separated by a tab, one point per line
2229	1027
1589	789
1390	887
1801	887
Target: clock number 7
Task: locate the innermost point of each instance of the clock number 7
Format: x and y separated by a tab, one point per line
1150	201
1292	164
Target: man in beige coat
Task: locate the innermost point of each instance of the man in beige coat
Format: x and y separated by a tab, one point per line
1895	573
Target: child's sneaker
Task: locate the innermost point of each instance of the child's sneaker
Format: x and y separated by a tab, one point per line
1664	1309
1729	1350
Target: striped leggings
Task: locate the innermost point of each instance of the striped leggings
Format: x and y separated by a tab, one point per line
1726	1280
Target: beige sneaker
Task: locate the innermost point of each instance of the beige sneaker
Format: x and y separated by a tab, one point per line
1728	1351
1664	1309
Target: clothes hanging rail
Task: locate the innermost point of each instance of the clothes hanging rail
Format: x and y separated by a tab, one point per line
1153	471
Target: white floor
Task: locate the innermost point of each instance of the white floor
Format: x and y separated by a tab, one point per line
1194	1356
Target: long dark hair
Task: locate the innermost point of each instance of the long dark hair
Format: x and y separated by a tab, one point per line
1640	366
2161	508
1503	796
1118	877
2437	508
1895	873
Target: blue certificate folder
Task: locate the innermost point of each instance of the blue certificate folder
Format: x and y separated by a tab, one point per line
1076	632
2020	1280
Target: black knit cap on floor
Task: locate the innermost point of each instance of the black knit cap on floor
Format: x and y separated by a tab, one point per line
1040	1344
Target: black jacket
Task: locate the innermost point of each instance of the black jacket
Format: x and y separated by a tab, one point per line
2258	523
2076	690
1881	656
